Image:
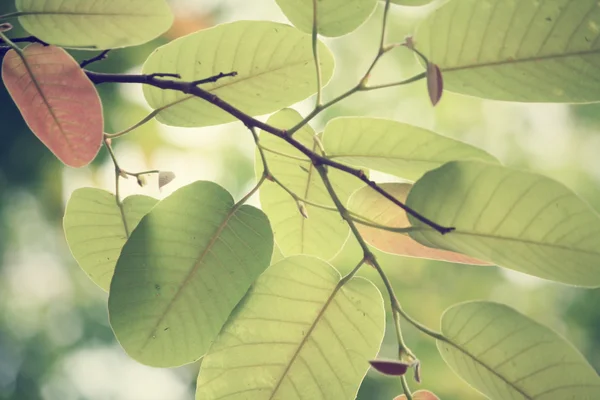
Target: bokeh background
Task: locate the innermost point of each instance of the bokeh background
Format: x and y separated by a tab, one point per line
55	341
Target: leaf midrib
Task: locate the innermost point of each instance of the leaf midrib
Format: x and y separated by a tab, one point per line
304	340
23	57
526	241
195	268
520	60
488	368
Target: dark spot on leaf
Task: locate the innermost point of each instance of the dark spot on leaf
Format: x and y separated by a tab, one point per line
549	19
166	329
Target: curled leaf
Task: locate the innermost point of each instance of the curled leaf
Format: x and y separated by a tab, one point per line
141	180
57	101
164	178
302	208
5	27
390	367
435	83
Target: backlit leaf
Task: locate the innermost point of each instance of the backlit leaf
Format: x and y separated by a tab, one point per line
57	101
182	271
515	219
368	203
95	231
411	2
526	50
393	147
507	356
334	17
274	65
324	232
296	334
95	25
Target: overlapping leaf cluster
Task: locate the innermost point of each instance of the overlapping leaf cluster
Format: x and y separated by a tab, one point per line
192	275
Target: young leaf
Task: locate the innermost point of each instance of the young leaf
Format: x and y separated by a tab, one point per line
505	355
182	271
274	65
95	230
296	331
390	367
334	17
419	395
57	101
523	50
435	83
95	25
324	233
393	147
164	178
373	206
515	219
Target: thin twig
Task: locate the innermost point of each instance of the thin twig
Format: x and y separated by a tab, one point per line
118	176
100	56
315	49
27	39
214	78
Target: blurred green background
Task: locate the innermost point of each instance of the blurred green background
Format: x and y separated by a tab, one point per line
55	341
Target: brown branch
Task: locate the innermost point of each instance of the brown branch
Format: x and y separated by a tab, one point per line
191	88
99	57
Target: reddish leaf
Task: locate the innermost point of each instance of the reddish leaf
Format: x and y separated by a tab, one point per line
370	204
59	103
419	395
435	83
389	367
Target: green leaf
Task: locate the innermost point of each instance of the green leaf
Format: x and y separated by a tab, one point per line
411	2
334	17
296	334
527	50
95	25
274	65
505	355
95	231
324	232
516	219
183	270
393	147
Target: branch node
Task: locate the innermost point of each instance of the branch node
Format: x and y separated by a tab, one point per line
100	56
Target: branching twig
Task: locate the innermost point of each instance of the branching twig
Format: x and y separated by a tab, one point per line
118	176
27	39
100	56
191	89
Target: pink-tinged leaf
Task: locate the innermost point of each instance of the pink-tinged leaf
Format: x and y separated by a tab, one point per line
57	100
435	83
389	367
371	205
419	395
